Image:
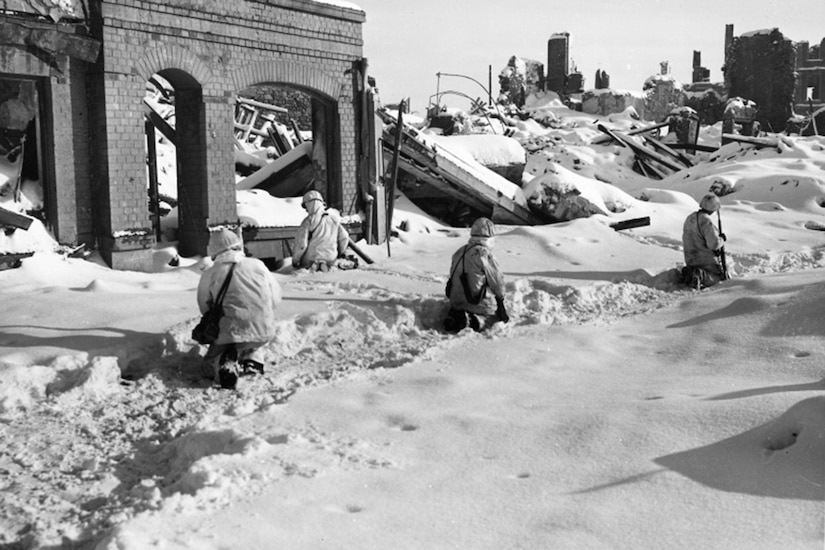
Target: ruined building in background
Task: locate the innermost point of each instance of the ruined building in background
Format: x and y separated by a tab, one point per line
810	69
75	77
777	77
663	94
780	77
605	101
703	96
602	80
559	77
520	78
761	66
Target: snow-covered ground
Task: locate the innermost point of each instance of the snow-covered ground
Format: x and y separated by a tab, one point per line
616	410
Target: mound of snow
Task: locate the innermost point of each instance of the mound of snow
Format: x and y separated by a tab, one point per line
564	195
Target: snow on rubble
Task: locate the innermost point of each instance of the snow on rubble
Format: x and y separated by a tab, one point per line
614	396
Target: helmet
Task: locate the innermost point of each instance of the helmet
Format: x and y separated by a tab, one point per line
223	240
710	202
310	196
483	227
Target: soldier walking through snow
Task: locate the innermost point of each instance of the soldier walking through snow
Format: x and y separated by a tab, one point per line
249	306
703	244
321	239
476	285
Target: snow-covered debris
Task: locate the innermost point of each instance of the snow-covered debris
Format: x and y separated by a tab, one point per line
368	412
34	239
501	154
565	195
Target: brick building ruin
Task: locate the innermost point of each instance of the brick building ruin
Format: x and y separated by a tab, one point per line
703	96
81	75
810	68
783	78
560	78
780	76
761	66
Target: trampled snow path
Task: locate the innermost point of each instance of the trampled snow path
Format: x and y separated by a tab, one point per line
96	448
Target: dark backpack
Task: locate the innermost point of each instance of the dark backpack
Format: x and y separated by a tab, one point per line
465	284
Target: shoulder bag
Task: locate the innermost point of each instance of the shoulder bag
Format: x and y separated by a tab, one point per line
207	330
465	285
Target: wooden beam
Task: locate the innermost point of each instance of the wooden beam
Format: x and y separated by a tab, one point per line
157	121
13	260
602	139
630	224
392	176
670	151
649	169
14	219
360	252
297	131
759	142
263	106
644	151
694	147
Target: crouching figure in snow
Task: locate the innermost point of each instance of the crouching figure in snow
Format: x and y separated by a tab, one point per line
249	306
321	239
476	285
702	243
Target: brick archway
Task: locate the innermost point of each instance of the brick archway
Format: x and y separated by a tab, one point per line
204	50
291	73
187	75
326	91
172	57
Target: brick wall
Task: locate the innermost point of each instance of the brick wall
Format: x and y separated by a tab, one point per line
218	48
810	68
557	62
760	67
64	137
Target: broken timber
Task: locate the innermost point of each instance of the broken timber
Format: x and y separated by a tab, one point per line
360	252
158	122
14	219
669	150
13	260
639	150
694	147
759	142
392	177
630	224
603	139
448	173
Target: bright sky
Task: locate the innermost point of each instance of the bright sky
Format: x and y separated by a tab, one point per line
407	43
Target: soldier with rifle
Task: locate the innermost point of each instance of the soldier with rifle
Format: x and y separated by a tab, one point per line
704	246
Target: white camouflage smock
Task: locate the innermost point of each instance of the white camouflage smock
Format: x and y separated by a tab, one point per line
250	301
483	274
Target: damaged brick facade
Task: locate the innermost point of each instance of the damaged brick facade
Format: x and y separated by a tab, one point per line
810	67
520	78
559	77
760	66
94	158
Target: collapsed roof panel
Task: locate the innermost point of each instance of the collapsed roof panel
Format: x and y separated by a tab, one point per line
468	182
56	10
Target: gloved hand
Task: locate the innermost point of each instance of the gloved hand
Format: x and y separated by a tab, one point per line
501	311
723	237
